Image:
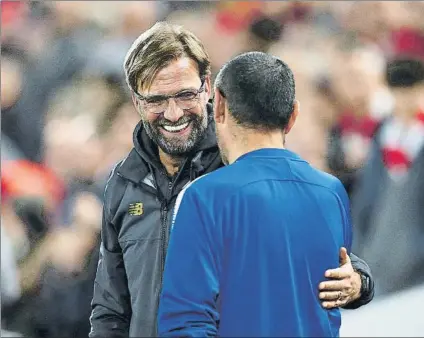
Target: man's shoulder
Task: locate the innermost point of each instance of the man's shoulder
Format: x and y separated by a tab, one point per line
129	169
334	184
327	179
227	177
113	180
114	189
207	192
209	188
321	179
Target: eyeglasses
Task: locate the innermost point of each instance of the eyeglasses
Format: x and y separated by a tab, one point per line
157	104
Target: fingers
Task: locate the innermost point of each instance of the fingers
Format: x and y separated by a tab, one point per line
331	295
334	285
344	257
338	273
333	304
333	299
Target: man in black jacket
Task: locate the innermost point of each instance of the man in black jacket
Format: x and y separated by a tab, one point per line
168	72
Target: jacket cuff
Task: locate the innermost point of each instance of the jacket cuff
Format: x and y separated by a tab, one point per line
367	293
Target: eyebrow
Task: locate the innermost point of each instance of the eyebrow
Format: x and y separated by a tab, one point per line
158	96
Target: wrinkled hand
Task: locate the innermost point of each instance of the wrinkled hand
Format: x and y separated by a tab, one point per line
344	286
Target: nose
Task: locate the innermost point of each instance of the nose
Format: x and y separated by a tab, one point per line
173	113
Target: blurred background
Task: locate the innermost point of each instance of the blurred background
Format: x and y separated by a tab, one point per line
67	118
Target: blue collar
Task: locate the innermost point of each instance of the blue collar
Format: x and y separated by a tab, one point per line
270	153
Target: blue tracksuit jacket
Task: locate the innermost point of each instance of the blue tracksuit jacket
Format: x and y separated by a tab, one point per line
250	244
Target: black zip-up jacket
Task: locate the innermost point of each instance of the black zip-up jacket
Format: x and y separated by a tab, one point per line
139	198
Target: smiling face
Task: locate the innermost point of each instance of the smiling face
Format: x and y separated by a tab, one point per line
176	124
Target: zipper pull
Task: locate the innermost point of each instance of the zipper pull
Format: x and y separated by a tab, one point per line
192	173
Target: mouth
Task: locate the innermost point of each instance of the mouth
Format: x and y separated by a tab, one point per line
177	129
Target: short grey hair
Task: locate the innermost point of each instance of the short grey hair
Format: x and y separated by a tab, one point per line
259	89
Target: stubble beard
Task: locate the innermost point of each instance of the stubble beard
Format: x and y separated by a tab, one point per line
174	146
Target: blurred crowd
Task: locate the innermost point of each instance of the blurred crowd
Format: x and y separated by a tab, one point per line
67	118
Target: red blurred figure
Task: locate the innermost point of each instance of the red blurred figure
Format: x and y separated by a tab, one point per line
11	11
22	178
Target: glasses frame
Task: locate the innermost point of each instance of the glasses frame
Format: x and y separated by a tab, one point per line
174	96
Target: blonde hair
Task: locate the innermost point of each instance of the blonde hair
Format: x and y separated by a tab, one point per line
156	48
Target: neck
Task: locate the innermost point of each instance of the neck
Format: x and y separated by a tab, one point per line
171	163
248	141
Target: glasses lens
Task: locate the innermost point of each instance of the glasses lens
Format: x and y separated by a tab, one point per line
186	104
187	100
156	106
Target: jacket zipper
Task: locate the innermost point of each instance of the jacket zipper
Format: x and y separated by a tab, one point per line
164	216
164	209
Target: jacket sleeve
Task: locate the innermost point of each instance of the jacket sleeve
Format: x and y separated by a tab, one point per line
367	295
187	306
111	309
358	264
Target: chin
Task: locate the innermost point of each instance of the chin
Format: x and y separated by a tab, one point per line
178	147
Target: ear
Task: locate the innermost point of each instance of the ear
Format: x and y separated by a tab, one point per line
208	88
219	107
293	117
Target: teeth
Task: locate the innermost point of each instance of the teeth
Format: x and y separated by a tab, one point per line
174	129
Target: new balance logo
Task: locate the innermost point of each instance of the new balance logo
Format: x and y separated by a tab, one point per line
136	209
